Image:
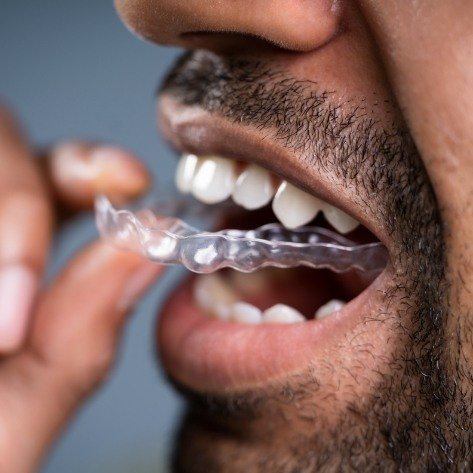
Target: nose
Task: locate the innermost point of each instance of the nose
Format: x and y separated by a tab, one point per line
299	25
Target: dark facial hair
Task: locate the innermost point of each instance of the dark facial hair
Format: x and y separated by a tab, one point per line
416	419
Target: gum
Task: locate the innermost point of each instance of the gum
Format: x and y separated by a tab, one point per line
169	240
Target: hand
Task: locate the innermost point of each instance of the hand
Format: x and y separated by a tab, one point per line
57	343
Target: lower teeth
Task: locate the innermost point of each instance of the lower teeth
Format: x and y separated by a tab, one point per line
329	308
218	300
169	240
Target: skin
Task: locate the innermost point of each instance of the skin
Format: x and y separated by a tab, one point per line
409	408
353	401
404	405
63	351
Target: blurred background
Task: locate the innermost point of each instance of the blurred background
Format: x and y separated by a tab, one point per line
71	69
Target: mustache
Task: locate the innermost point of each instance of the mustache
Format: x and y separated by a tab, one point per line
381	164
344	141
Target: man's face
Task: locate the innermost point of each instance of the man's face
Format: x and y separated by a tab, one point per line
367	106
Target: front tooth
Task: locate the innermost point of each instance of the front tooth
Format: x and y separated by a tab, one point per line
339	220
294	207
329	308
245	313
253	188
282	314
213	295
185	172
214	180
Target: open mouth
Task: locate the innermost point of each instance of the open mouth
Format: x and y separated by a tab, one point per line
311	233
272	295
231	329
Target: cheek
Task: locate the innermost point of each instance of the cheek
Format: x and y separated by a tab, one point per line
451	180
353	373
456	206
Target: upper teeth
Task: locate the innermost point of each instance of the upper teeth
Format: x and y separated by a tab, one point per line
294	207
339	220
253	188
185	172
213	179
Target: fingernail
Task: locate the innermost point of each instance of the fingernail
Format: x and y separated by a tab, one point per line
81	171
18	287
118	173
137	285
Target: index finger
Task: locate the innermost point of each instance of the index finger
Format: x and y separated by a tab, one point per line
25	232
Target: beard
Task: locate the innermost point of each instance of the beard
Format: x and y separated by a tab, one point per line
415	417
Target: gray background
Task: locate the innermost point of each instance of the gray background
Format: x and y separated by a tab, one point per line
70	69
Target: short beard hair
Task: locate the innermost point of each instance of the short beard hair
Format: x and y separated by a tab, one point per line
418	419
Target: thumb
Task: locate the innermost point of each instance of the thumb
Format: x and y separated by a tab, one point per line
71	348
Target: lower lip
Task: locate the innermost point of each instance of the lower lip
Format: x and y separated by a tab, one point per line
210	355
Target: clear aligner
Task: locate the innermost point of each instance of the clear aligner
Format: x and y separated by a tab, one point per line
169	240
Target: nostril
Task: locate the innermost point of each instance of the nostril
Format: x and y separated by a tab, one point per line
228	42
302	25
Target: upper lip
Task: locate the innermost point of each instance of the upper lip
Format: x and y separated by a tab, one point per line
186	336
194	130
